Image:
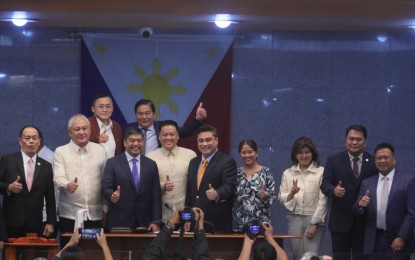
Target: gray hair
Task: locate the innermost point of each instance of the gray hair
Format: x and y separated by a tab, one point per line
76	117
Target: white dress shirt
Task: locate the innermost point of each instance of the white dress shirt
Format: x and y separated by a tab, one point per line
87	165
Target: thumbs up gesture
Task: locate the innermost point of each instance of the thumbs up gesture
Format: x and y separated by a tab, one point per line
201	113
115	197
339	191
168	185
365	200
15	186
262	193
103	138
211	193
73	185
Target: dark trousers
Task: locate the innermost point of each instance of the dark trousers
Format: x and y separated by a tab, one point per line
383	249
348	245
67	225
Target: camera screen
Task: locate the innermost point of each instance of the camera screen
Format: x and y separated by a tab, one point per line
254	229
90	233
186	215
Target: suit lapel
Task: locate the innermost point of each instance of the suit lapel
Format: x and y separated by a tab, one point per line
393	189
38	167
209	168
20	167
125	165
348	167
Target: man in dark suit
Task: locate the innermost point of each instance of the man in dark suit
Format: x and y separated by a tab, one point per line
342	177
211	181
26	181
131	184
104	130
145	112
387	201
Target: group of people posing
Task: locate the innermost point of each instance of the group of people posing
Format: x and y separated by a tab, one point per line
140	177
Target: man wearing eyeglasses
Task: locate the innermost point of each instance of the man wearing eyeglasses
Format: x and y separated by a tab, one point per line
104	130
145	113
342	176
26	181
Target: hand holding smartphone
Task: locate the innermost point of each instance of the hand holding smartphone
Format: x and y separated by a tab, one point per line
89	233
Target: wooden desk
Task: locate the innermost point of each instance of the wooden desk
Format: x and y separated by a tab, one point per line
30	245
222	246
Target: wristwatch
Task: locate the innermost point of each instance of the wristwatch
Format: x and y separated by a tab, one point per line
169	225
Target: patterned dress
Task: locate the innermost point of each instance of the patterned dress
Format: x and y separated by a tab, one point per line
248	205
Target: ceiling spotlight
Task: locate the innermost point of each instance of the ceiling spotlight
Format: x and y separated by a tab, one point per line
19	21
223	20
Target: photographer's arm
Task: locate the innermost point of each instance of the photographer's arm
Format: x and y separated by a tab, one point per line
281	255
102	242
246	248
74	241
157	249
200	244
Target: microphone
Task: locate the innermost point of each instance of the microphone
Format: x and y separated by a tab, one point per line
168	207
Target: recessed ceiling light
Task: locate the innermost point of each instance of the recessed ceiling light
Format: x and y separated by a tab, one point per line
18	21
223	20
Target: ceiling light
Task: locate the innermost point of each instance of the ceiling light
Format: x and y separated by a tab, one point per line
19	21
223	20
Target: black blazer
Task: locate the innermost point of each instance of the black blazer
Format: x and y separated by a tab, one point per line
184	131
221	173
338	168
133	209
26	207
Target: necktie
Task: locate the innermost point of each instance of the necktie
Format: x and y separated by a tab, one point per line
135	175
143	150
356	167
30	173
383	203
201	173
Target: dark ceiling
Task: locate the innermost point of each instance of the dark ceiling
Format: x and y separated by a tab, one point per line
325	15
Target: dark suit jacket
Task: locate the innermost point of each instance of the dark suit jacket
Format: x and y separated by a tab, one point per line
338	168
133	209
221	174
400	211
116	131
26	207
184	131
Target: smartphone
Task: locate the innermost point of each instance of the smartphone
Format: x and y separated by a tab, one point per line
90	233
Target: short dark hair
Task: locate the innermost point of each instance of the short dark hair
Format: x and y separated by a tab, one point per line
30	126
72	253
144	102
251	143
98	96
385	146
264	251
132	130
207	128
359	128
169	122
304	142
